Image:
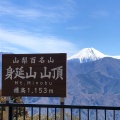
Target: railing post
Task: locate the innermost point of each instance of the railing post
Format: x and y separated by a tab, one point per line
61	109
9	112
7	108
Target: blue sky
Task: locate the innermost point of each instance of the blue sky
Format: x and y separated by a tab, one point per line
59	26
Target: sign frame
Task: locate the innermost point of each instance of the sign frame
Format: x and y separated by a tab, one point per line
43	75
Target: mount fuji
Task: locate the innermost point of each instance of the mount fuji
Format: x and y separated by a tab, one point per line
93	79
89	54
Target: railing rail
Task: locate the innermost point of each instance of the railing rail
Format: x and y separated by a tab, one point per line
52	112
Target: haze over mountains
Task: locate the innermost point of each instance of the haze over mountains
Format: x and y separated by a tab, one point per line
93	79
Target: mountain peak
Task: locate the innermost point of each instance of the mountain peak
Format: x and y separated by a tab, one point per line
87	55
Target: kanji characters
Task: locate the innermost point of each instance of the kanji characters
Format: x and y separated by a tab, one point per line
10	72
51	60
15	60
24	60
19	72
31	75
43	75
32	60
58	72
41	60
55	73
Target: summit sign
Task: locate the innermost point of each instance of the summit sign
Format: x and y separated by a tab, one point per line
34	75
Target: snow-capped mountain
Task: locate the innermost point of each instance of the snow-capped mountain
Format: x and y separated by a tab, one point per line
88	55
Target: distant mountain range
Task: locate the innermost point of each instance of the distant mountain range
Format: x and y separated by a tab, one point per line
93	79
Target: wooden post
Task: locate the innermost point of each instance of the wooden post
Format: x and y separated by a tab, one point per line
7	109
9	112
61	109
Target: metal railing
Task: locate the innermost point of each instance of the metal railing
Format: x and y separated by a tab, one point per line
53	112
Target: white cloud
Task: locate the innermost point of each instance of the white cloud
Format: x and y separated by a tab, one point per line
22	41
23	13
53	13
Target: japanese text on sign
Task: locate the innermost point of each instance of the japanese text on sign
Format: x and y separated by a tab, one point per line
34	74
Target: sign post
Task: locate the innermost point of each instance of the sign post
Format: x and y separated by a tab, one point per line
61	110
7	109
